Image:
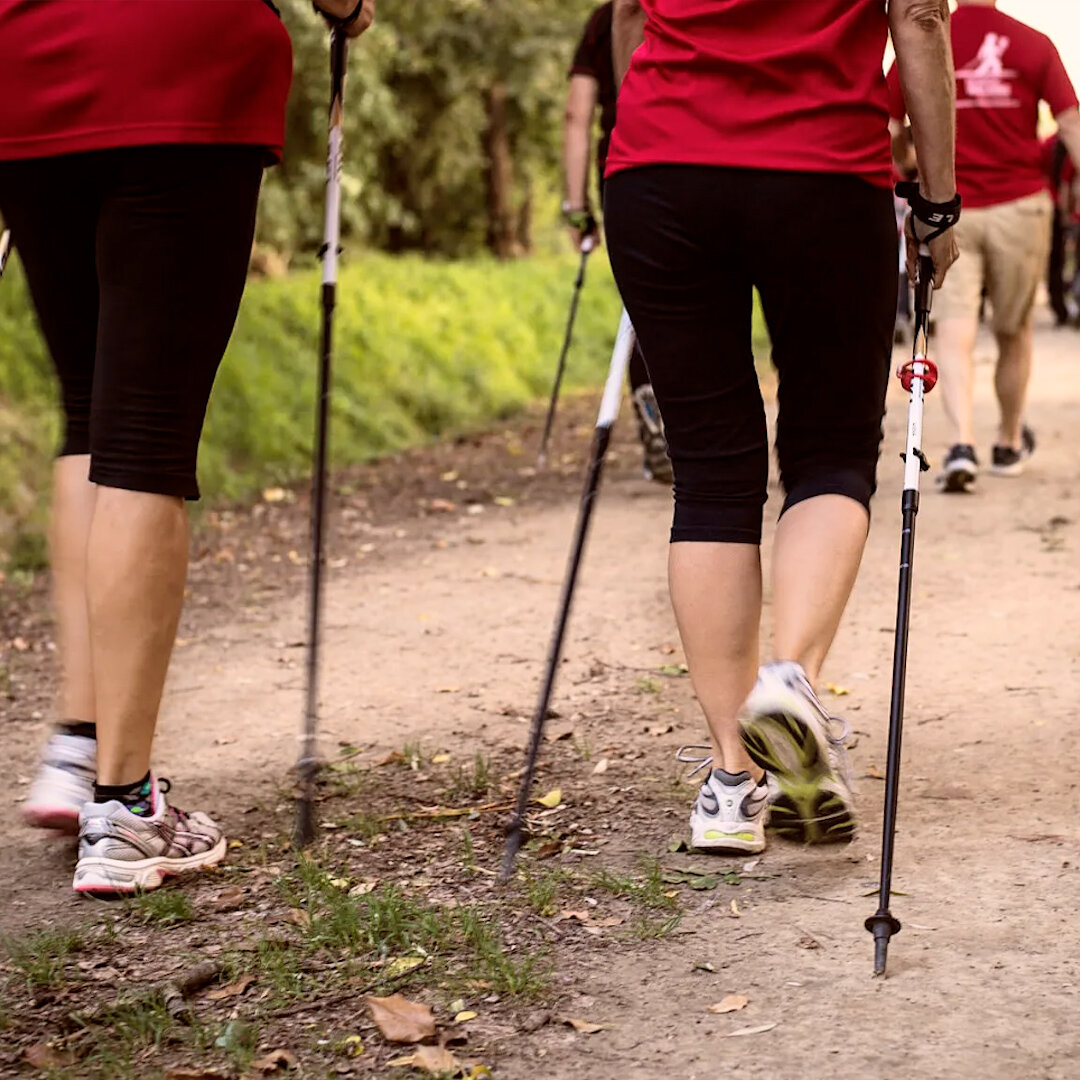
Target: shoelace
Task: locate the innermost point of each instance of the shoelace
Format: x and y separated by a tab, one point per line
687	755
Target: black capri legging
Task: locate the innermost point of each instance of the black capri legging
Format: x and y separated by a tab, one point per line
136	260
688	244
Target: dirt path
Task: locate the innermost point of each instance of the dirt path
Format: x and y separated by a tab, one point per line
439	635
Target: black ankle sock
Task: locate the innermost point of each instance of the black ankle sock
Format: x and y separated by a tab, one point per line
137	797
78	727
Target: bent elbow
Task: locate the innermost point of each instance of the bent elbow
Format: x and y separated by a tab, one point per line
928	16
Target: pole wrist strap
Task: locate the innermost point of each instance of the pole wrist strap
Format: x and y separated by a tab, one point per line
939	216
345	20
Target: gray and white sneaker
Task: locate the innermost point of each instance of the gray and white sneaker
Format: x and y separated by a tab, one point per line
730	813
787	732
121	853
64	783
657	464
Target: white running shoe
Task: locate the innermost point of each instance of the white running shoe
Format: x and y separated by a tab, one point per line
122	853
787	732
730	813
64	783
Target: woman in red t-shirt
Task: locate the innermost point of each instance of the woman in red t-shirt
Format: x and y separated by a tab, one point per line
129	176
752	143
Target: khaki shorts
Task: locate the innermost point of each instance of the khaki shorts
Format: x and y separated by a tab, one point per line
1004	247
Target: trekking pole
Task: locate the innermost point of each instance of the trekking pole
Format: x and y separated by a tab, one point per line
609	411
5	248
588	244
919	376
308	766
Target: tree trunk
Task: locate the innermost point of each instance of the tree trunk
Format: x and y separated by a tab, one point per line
501	223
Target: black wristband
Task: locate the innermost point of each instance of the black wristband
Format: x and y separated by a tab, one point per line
939	216
346	20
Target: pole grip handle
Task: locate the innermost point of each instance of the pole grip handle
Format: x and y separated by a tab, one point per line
924	286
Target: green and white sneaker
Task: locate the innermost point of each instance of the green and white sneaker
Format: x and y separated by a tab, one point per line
787	732
730	813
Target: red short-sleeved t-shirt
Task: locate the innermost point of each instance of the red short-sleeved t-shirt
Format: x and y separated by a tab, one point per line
1004	69
793	85
77	75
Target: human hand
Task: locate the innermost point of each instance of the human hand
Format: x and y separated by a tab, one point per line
336	10
943	249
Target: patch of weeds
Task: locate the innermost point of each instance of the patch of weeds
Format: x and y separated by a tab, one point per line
542	890
648	685
583	747
116	1042
472	781
239	1039
280	967
162	907
649	891
468	848
495	964
413	753
41	958
364	826
648	927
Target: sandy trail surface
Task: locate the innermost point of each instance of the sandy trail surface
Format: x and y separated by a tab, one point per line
439	634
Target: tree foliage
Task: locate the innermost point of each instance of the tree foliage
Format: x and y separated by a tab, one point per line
420	128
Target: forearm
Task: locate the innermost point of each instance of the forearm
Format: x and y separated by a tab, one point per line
627	33
1069	130
576	163
920	32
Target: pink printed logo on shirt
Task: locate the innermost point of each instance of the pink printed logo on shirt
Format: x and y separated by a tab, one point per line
986	82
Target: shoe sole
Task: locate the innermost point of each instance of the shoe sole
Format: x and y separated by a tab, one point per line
741	843
1007	470
100	877
805	810
958	480
57	818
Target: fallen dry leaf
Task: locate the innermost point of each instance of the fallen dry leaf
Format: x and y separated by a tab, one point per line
363	888
298	917
353	1045
184	1073
735	909
432	1059
401	1020
400	965
275	1060
732	1003
391	759
808	942
579	916
233	989
444	506
559	734
273	495
750	1030
44	1056
229	898
874	773
465	1016
552	799
583	1027
837	691
601	766
440	759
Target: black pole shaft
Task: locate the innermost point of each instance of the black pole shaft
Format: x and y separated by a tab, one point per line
560	370
882	924
516	829
308	767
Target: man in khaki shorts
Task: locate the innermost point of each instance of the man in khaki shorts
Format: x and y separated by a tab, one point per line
1004	69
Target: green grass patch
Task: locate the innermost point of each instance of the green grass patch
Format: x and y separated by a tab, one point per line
163	907
41	959
423	349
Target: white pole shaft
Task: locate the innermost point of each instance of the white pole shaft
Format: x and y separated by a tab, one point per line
620	362
913	459
332	226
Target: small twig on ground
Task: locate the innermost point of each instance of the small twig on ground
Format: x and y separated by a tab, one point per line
435	813
173	992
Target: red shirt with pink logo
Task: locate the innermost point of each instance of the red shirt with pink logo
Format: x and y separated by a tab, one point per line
758	84
1004	69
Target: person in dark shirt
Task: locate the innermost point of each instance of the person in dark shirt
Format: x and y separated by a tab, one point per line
592	86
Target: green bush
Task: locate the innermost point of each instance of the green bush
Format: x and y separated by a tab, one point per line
422	349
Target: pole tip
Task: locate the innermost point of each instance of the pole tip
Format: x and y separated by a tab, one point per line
882	924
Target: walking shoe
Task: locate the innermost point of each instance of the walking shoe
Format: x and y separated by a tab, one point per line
651	433
960	469
64	783
1005	461
788	733
730	813
121	853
